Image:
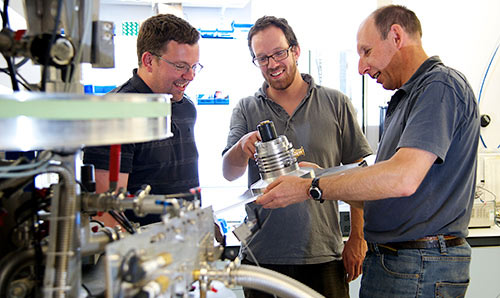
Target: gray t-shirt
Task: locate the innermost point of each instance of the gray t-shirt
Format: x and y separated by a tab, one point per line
435	111
324	124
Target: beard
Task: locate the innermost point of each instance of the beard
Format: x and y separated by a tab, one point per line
285	81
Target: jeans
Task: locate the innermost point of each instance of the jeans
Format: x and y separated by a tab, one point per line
430	272
328	279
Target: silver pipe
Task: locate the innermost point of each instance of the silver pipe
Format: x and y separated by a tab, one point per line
261	279
271	282
96	243
63	217
140	205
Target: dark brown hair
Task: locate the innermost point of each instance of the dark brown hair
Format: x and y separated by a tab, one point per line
266	21
387	16
157	31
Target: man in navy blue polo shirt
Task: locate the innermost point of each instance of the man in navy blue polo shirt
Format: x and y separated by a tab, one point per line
168	55
418	196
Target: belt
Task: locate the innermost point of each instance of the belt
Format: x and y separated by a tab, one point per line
422	243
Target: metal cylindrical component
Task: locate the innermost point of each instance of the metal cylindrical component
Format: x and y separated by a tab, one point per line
271	282
261	279
87	173
267	131
275	158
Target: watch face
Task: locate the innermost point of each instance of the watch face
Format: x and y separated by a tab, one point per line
315	193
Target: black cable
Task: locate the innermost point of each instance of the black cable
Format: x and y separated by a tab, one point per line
23	82
16	65
45	66
5	14
123	221
88	291
10	65
126	221
12	71
100	223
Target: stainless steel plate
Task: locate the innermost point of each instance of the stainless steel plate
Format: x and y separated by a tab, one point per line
35	121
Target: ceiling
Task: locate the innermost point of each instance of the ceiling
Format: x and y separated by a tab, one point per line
185	3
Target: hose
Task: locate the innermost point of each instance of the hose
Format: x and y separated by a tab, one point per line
271	282
261	279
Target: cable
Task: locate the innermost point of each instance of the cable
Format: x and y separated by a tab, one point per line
482	85
43	157
87	290
488	191
100	223
123	221
17	65
10	65
252	256
486	73
260	224
5	14
12	71
24	82
25	173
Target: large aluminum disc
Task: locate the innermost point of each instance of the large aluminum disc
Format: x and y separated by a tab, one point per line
36	121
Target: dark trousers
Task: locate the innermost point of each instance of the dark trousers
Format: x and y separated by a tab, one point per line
328	279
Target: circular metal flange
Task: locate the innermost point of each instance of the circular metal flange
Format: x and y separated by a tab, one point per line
36	121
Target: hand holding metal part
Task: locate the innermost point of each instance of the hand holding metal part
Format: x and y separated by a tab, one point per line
277	162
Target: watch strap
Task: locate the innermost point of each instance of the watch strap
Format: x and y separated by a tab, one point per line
315	184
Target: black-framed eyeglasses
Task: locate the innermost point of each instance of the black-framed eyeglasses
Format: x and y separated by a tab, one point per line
183	67
278	56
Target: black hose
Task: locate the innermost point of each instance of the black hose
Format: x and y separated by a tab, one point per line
5	14
12	71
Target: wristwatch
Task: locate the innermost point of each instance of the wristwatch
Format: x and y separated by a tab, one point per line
315	192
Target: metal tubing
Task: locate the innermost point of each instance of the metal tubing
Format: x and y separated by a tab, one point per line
262	279
63	218
271	282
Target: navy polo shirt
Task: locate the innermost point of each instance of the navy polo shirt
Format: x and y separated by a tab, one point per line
169	165
435	111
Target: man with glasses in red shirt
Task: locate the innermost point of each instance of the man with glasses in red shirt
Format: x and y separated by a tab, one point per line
303	241
168	55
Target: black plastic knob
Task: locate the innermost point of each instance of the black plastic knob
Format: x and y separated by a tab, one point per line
485	120
267	131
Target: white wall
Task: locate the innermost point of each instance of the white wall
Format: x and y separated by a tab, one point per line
125	46
464	38
464	34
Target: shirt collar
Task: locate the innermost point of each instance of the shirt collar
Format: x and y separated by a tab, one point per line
139	84
428	64
142	87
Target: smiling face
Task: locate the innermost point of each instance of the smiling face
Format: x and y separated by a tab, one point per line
279	75
165	77
377	57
